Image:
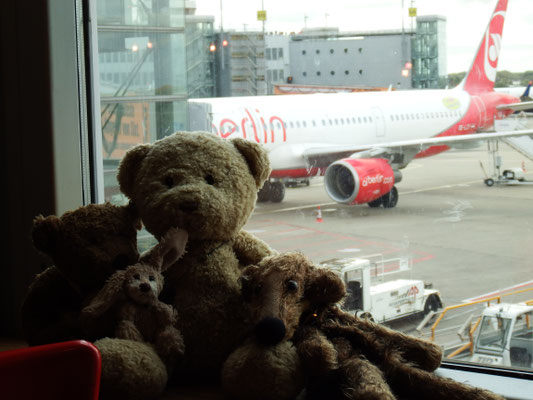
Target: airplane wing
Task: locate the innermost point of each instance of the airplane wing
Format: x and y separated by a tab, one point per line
525	105
322	156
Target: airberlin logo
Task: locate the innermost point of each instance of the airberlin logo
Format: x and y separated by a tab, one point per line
371	180
493	42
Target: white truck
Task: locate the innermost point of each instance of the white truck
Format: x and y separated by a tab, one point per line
385	301
505	336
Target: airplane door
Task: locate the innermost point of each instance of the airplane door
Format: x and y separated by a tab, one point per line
379	121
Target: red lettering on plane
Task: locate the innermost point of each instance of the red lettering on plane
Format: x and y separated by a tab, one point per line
228	127
229	132
253	126
276	118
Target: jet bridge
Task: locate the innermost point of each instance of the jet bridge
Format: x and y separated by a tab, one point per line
522	144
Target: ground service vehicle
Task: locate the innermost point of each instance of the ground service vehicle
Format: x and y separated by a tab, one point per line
385	301
505	336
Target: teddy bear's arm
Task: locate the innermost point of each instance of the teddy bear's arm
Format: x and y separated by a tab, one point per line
168	340
423	353
317	353
249	249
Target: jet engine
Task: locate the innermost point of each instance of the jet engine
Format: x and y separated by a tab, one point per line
359	181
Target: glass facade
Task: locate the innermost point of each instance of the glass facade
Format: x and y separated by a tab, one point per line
429	52
152	57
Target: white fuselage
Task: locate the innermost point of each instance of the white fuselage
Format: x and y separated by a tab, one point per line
288	125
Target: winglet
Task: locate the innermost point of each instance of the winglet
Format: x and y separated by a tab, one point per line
482	74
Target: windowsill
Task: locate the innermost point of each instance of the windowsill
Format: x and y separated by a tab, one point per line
511	384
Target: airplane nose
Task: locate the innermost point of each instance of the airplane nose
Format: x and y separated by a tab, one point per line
270	331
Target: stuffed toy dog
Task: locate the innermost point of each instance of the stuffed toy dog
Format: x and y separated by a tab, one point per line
342	356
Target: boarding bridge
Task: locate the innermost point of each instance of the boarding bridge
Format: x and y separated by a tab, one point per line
522	144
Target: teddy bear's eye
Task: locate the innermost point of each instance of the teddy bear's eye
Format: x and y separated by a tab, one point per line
209	179
137	276
292	286
151	277
169	182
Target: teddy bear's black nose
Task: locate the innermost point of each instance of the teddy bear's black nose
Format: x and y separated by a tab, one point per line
188	206
270	331
144	287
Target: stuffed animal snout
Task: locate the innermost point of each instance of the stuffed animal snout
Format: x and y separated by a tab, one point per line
280	289
143	285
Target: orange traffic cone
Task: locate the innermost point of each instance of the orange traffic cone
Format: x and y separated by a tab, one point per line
319	215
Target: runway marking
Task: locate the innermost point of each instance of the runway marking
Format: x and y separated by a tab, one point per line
348	250
461	184
304	237
500	292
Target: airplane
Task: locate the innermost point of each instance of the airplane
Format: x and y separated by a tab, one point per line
361	141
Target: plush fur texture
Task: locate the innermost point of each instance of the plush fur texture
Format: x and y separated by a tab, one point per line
134	295
405	372
137	383
279	289
208	187
87	246
344	357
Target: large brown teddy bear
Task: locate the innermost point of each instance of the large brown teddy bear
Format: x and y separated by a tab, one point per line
86	246
208	187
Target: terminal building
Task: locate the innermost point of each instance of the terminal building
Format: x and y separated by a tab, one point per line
400	59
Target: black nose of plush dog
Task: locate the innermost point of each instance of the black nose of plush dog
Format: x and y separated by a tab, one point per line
188	206
145	287
270	331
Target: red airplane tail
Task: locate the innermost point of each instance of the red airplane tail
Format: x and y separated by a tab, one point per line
482	74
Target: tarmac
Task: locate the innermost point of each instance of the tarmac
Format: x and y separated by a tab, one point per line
469	240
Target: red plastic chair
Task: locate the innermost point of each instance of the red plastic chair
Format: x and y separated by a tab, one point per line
67	370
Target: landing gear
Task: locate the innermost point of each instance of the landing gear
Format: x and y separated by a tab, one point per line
388	200
272	191
376	203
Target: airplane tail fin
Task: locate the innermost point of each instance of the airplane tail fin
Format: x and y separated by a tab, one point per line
482	74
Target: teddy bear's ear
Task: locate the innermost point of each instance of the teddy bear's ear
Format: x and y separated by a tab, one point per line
129	166
44	233
169	249
257	159
323	286
247	281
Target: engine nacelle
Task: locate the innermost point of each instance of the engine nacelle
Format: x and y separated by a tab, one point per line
359	181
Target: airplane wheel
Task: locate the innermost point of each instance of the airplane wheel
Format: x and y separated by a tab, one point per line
489	182
390	199
264	194
277	192
375	203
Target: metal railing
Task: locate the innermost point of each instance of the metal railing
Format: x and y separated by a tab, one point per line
473	328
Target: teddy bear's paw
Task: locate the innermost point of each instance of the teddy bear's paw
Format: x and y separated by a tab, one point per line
263	372
130	370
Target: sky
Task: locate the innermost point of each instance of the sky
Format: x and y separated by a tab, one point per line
466	22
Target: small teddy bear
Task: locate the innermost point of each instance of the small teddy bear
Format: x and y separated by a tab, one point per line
133	294
86	245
